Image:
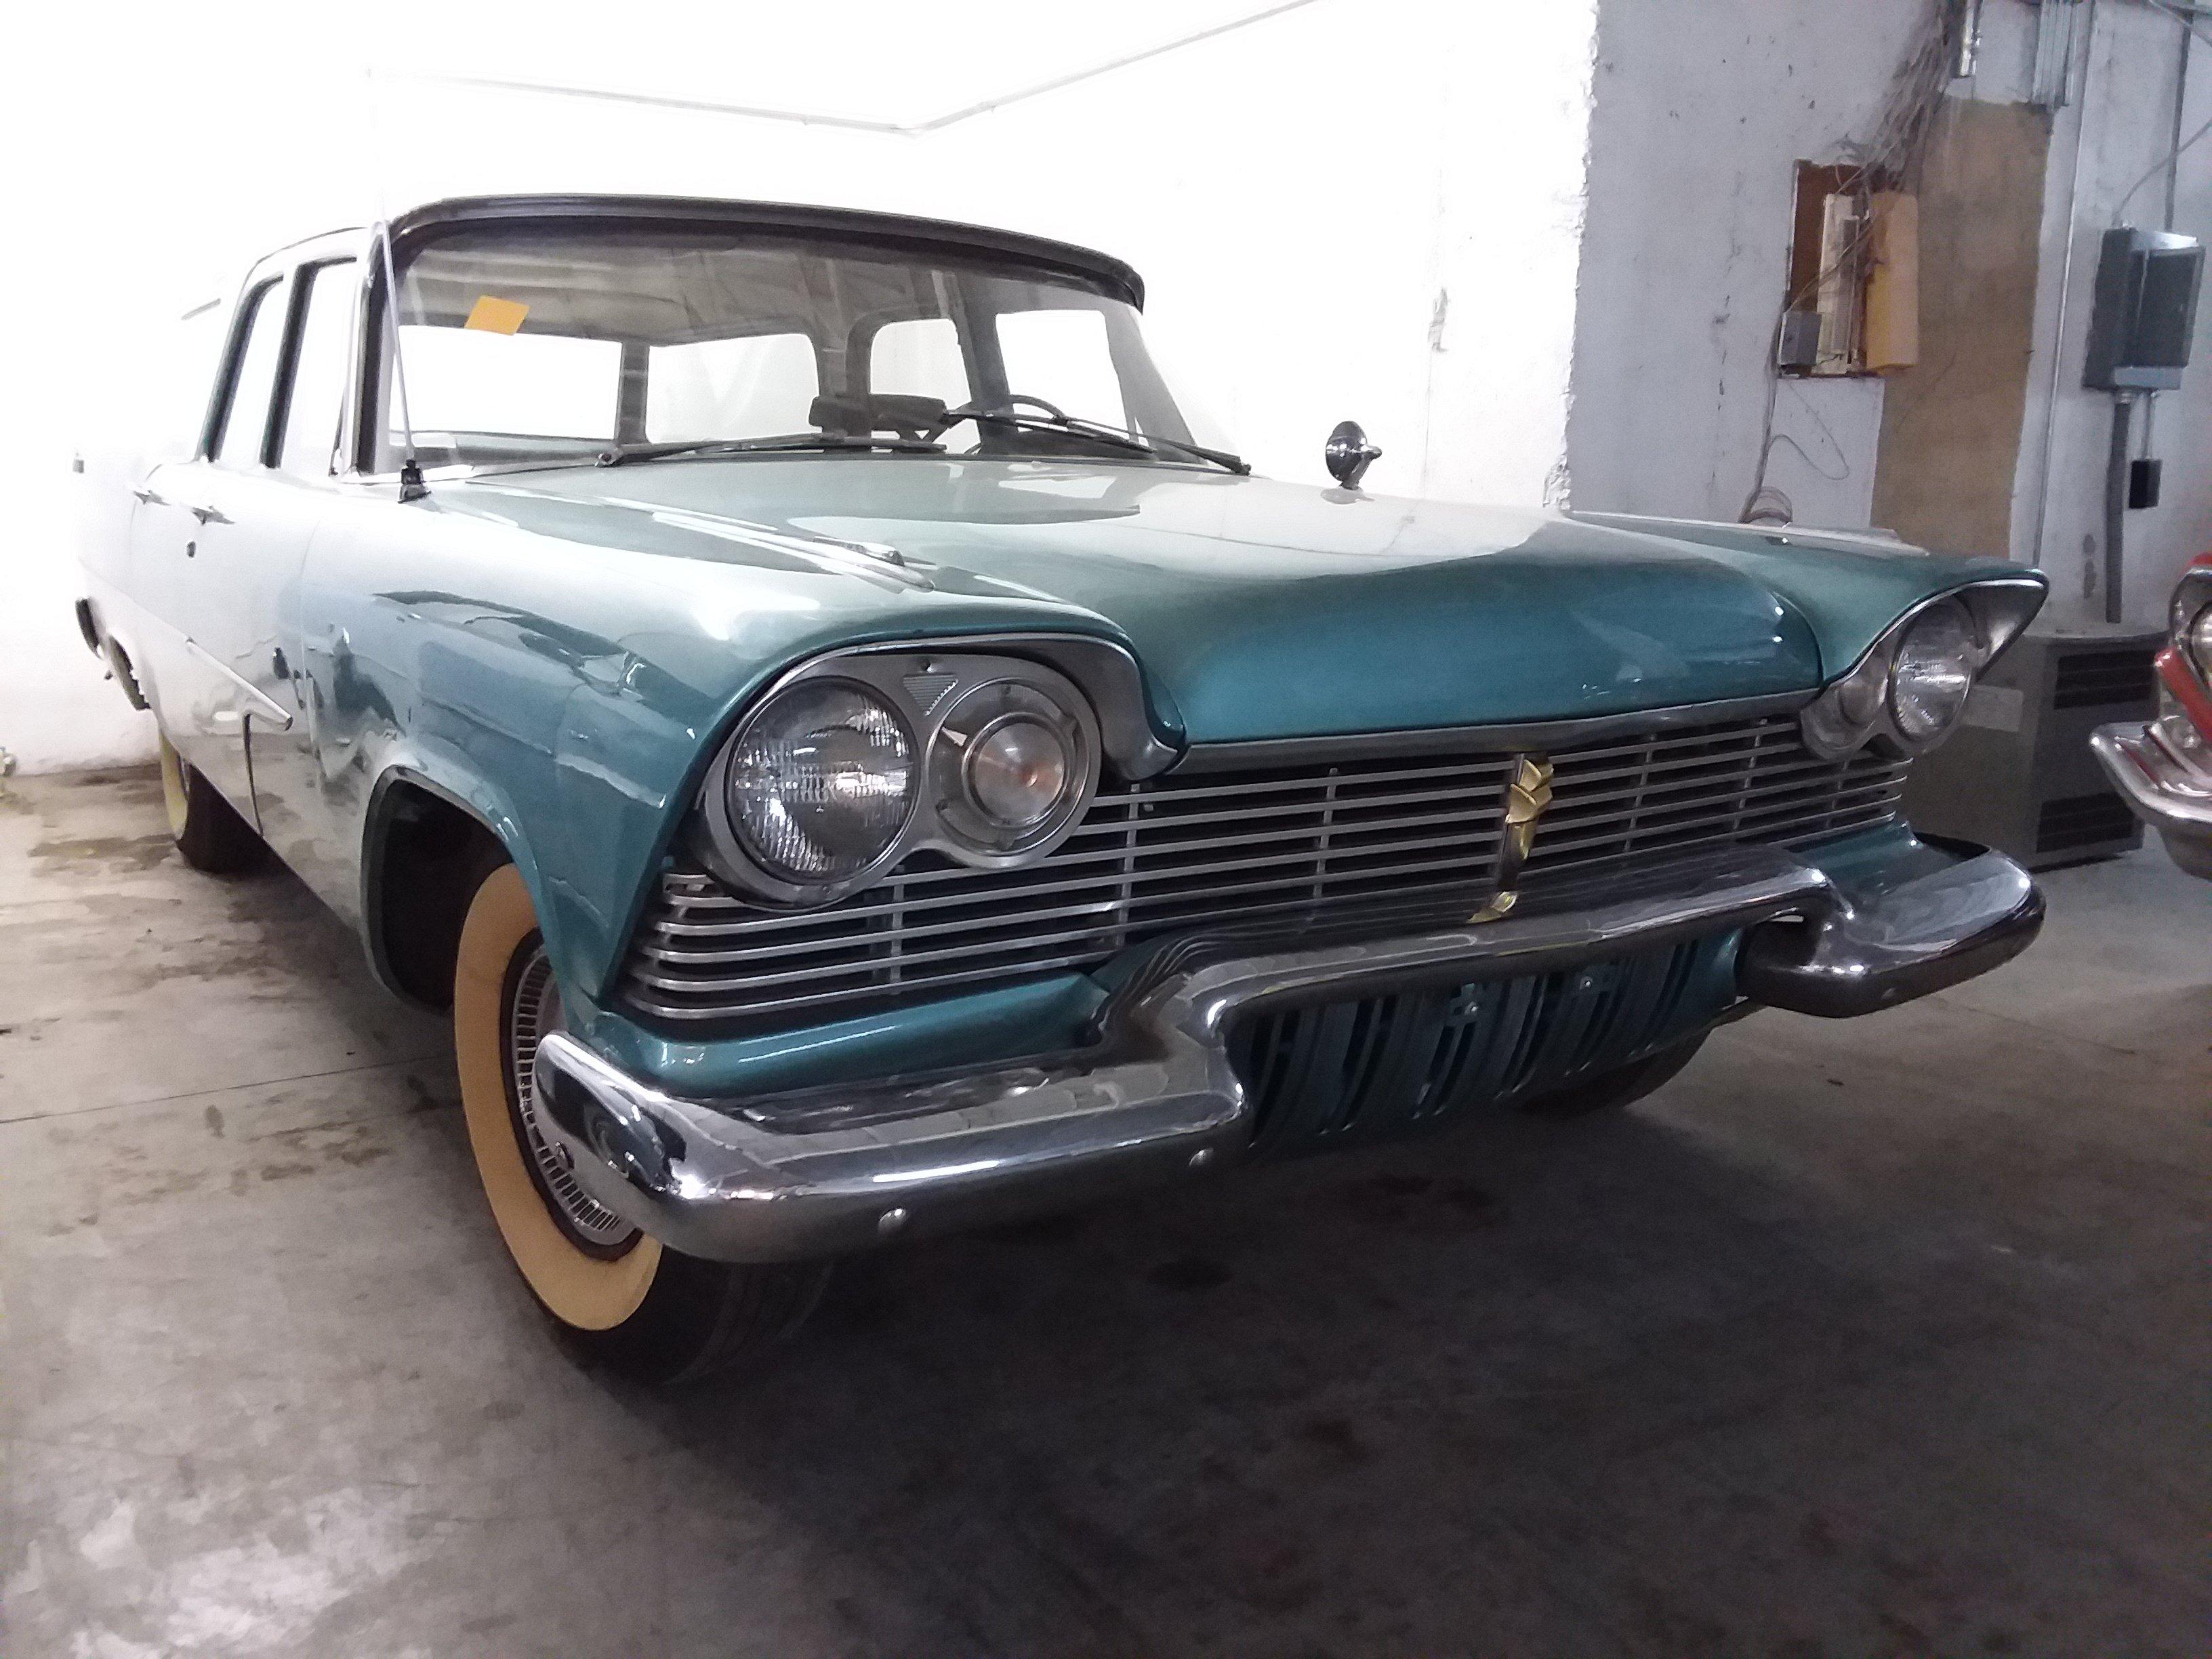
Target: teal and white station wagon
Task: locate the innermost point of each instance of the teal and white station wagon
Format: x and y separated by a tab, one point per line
858	759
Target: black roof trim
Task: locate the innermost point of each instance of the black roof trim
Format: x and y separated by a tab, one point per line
895	228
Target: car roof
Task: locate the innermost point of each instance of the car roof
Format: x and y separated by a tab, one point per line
880	229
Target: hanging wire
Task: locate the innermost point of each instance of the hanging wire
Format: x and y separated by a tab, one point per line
2119	213
1892	158
2187	20
2189	24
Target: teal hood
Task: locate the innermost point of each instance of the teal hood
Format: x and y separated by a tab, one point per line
1258	609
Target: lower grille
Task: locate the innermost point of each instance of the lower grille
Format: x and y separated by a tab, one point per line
1354	1072
1388	840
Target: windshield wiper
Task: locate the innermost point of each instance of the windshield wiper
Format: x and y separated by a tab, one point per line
622	454
1220	458
1118	437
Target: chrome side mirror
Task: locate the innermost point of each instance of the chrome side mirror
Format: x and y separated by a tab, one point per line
1349	455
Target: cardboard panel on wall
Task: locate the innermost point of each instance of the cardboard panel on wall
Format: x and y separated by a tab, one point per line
1951	424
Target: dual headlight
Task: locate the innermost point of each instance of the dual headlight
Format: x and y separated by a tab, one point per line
854	762
1911	686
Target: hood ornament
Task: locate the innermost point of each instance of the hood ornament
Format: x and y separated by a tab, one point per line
1349	455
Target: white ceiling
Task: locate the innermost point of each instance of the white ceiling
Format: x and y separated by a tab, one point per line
878	62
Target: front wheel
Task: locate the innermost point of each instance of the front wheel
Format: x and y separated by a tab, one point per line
617	1296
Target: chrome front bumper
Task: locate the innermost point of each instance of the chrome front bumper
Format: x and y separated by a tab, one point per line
831	1171
2164	773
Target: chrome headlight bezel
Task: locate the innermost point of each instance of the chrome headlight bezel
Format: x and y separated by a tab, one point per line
944	701
1043	701
1858	707
745	840
2189	621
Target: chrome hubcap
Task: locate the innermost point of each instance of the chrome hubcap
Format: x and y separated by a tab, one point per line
534	1009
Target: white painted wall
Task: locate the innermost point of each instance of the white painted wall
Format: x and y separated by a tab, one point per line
2125	125
1702	108
1298	192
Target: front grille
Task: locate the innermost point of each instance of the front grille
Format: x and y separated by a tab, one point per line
1403	838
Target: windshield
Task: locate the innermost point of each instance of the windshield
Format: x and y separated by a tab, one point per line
572	341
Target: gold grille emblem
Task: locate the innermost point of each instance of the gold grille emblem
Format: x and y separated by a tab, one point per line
1526	795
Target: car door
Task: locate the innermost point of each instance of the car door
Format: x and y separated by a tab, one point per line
279	509
184	553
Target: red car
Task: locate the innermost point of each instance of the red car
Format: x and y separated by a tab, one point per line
2164	770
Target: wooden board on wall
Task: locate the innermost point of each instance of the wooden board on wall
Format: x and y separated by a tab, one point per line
1951	425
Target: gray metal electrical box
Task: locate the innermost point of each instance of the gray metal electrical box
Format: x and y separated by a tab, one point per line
2145	315
2018	775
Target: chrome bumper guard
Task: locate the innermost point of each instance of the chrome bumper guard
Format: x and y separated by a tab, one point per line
834	1170
2164	773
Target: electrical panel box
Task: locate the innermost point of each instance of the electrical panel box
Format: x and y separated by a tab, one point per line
2018	775
2145	314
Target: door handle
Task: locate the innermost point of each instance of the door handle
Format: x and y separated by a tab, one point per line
208	514
151	498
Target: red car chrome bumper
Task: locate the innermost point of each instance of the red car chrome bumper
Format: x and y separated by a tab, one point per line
2164	773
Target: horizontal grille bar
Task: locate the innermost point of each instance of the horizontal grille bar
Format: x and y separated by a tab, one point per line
1394	840
703	947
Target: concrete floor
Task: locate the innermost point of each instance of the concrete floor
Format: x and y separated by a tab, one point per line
1884	1337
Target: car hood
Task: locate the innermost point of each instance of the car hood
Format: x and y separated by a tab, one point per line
1259	608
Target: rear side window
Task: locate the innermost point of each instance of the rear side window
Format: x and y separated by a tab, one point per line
245	420
318	371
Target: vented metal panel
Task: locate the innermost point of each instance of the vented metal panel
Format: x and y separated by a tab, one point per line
1372	1069
1390	840
2018	775
2074	822
2093	680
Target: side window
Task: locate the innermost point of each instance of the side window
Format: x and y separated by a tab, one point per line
318	371
919	357
758	385
246	407
1062	357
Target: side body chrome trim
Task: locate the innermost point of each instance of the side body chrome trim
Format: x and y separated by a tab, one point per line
832	1170
247	699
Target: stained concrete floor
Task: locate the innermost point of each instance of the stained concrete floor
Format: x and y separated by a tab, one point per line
1881	1338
